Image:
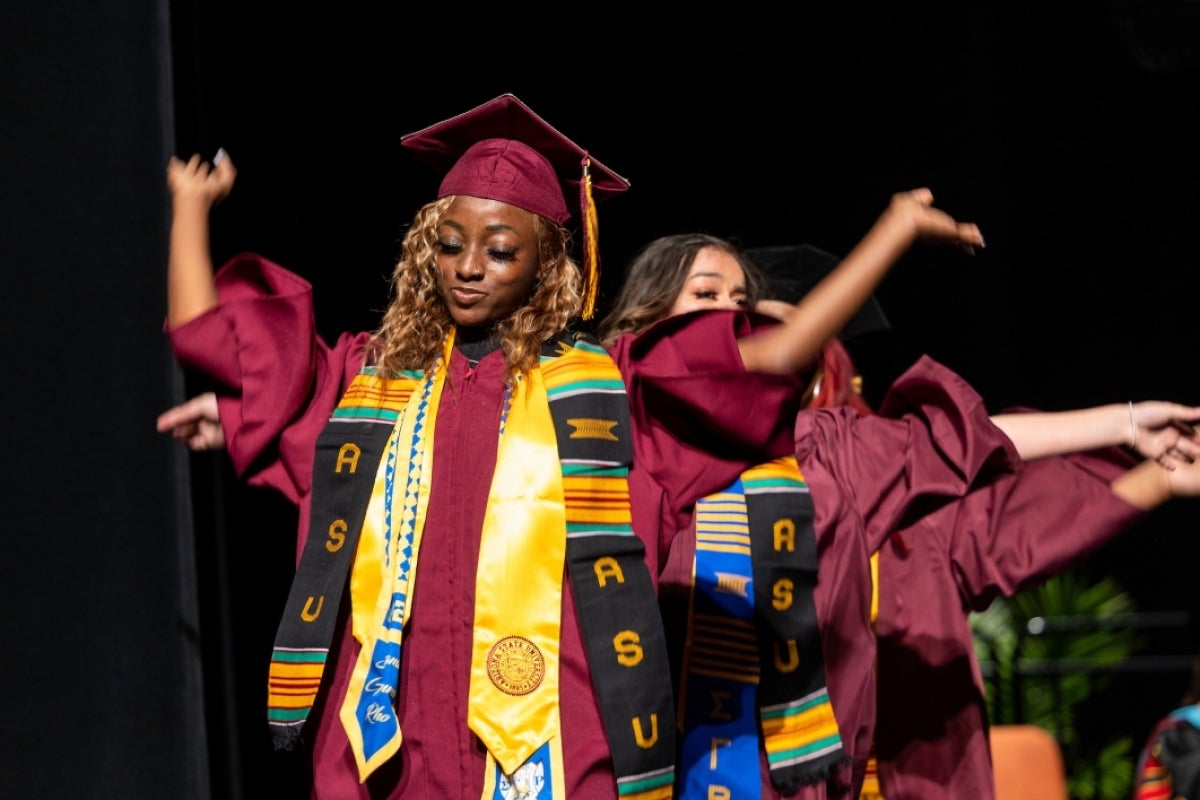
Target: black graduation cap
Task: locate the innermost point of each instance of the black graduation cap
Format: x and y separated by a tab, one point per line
793	270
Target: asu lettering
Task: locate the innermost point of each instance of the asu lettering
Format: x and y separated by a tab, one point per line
337	535
789	662
307	613
785	535
347	457
639	735
782	595
628	646
605	568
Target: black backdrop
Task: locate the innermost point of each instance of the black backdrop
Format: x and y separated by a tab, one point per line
136	653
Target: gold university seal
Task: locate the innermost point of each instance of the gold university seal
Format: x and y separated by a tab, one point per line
515	665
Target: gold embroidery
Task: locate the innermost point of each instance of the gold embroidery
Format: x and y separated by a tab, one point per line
639	735
337	535
348	456
731	583
781	592
515	665
718	707
793	660
628	645
717	744
589	428
607	567
785	535
309	616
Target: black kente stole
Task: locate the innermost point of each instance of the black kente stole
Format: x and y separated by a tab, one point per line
800	733
614	594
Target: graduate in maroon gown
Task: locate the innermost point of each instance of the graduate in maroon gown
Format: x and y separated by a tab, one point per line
472	615
998	538
481	298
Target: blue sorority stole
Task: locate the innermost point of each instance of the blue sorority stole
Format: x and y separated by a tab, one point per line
753	642
720	667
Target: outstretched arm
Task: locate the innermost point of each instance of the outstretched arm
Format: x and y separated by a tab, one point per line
824	311
1158	430
195	188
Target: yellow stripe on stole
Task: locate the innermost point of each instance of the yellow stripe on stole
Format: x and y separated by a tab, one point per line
782	467
584	364
373	391
601	499
801	729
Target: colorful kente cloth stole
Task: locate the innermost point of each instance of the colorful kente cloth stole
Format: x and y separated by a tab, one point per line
768	637
347	451
614	595
800	733
585	472
720	668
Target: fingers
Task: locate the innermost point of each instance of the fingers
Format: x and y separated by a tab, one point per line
970	237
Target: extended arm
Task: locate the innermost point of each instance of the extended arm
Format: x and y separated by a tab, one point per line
1155	429
195	188
825	310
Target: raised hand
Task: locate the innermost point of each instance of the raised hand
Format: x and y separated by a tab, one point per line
929	224
196	181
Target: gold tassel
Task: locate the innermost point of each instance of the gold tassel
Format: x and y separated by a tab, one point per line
591	249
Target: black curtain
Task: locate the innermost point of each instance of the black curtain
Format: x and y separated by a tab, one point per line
102	680
144	584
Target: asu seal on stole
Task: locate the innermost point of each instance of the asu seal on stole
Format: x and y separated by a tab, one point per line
515	665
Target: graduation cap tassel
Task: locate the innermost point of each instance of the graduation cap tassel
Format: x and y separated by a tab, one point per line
591	249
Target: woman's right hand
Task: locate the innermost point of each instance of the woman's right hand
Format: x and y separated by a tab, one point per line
196	423
915	208
197	182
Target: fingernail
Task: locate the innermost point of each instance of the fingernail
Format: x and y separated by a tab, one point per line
982	243
219	156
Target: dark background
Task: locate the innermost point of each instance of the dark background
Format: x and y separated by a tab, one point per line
144	585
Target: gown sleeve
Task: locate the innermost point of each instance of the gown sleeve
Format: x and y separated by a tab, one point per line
1023	528
932	442
276	380
700	417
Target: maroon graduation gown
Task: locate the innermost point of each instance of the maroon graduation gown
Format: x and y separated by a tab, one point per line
686	382
279	382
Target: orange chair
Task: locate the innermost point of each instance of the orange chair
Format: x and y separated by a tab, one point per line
1028	763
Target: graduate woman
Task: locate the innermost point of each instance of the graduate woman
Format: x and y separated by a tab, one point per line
856	479
471	615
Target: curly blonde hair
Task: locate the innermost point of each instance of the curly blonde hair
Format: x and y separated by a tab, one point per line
416	321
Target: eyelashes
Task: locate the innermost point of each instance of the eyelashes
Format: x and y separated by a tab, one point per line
499	254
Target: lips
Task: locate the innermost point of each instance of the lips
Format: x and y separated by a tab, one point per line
466	297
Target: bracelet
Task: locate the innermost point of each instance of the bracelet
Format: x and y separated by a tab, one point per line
1132	427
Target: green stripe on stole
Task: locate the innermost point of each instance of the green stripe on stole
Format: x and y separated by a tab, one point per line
800	733
615	597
